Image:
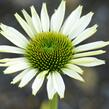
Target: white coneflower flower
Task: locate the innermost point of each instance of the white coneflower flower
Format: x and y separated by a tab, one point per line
52	49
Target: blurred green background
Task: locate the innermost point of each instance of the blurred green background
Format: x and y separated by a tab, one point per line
94	94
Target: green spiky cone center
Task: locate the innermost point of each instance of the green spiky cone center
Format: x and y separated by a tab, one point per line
49	51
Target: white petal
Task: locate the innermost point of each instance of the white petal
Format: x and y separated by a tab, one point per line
74	16
5	60
58	17
80	25
27	77
50	87
15	66
36	20
85	34
38	82
10	49
58	84
75	68
14	61
10	59
72	74
88	61
90	53
44	18
28	18
3	65
91	46
24	25
13	36
19	76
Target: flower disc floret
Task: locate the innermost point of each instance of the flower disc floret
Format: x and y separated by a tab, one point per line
49	51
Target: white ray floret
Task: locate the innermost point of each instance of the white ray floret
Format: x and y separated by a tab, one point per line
85	34
10	49
24	25
8	61
88	61
58	84
19	76
13	35
80	25
29	20
45	18
72	74
91	46
74	68
16	67
90	53
28	77
19	61
36	20
5	60
38	82
73	17
50	87
58	17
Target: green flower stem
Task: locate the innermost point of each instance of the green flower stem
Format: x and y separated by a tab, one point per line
54	102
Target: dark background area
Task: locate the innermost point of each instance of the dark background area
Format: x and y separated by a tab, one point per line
94	94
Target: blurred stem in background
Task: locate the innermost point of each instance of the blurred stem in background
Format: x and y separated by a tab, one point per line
54	102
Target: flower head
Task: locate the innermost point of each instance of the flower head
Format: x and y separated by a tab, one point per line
52	49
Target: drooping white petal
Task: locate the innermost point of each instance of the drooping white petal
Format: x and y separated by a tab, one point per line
71	20
58	17
45	18
15	66
85	34
13	36
91	46
90	53
29	21
88	61
24	25
10	49
74	68
58	84
38	82
28	77
36	20
72	74
50	87
19	76
80	25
